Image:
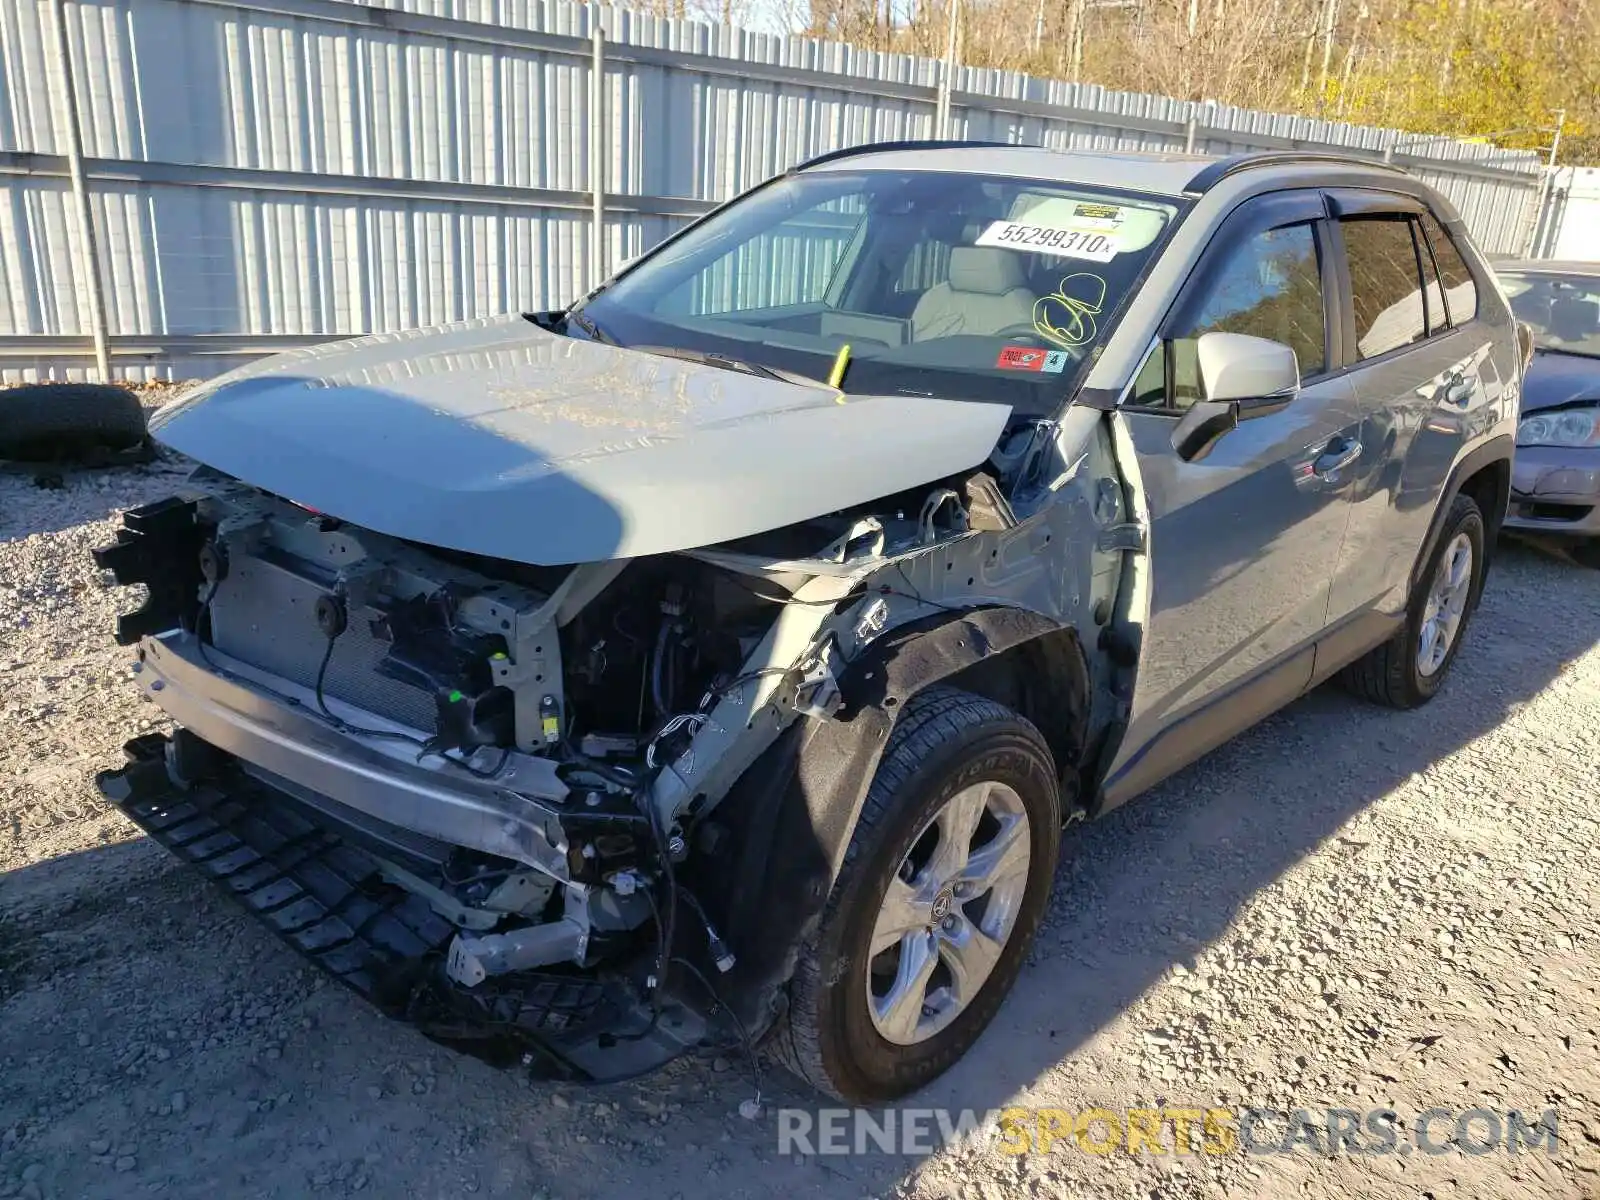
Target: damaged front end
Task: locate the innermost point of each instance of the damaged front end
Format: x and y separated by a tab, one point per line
376	755
582	812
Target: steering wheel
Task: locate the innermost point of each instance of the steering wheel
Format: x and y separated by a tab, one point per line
1029	335
1019	332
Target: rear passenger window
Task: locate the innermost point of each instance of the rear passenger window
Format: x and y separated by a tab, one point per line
1385	286
1460	292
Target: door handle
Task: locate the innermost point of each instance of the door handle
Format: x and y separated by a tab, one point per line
1336	456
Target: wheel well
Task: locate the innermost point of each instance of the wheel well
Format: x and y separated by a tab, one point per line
1485	476
1490	489
1046	681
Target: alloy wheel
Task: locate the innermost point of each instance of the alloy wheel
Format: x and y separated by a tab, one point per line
1446	606
948	912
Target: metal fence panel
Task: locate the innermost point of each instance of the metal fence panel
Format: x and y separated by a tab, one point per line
269	173
1570	228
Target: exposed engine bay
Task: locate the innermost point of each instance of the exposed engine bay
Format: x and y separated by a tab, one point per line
504	788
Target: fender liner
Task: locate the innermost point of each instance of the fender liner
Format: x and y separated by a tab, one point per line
769	856
1499	448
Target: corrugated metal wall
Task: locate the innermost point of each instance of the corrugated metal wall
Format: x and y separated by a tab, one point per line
266	173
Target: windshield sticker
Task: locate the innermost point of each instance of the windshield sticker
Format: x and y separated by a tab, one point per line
1067	316
1029	358
1070	241
1098	216
1126	227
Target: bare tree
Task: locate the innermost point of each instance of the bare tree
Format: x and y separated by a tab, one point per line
1457	66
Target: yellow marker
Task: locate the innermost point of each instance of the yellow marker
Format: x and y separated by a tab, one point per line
840	362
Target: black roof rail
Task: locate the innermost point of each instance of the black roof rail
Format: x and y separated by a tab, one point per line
875	147
1214	173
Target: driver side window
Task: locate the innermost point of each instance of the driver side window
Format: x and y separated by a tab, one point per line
1270	287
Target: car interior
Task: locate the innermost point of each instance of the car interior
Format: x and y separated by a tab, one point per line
930	287
1563	314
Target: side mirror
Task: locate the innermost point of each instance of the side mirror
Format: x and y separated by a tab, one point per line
1525	343
1256	372
1243	377
1201	425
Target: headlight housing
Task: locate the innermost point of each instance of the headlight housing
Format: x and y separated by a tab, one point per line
1560	427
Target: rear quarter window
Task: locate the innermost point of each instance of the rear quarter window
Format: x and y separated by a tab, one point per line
1460	292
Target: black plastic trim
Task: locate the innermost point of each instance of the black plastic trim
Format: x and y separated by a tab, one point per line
912	144
1367	202
1338	325
1214	173
159	546
1207	727
327	898
1342	645
789	818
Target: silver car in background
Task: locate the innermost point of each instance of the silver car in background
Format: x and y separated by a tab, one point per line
1556	485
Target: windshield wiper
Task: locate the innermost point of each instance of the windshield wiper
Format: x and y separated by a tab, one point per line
1537	349
727	362
589	327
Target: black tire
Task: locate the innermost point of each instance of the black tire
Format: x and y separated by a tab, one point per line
945	740
49	422
1390	675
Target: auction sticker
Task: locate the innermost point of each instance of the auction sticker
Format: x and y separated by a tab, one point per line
1027	358
1095	216
1070	240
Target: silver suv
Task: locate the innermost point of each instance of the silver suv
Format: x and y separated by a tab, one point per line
721	657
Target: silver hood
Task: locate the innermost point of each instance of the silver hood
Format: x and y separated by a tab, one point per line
496	437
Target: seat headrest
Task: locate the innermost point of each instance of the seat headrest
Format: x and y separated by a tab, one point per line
984	270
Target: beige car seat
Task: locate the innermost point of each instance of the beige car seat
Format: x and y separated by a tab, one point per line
984	295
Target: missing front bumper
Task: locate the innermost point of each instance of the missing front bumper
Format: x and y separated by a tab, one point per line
327	898
274	724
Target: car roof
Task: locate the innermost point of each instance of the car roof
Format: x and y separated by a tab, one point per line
1546	266
1160	173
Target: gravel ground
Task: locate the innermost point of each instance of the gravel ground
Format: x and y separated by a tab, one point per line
1344	907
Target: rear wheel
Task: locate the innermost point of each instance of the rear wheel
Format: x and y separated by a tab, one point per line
943	885
1409	669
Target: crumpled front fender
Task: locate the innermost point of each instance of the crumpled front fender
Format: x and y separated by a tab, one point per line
778	840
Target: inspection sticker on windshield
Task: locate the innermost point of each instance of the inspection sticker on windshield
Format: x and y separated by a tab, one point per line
1027	358
1096	216
1073	238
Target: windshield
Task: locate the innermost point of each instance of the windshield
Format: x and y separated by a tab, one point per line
942	284
1563	310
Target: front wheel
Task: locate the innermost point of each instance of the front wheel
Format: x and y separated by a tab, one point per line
943	886
1409	669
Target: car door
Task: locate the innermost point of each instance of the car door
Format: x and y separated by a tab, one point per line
1243	540
1421	367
